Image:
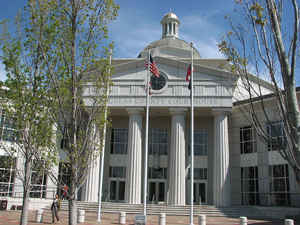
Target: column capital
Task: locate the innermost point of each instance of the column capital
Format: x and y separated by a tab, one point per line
220	111
177	111
133	111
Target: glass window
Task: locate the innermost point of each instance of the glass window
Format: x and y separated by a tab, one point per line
38	187
8	129
64	173
119	140
117	172
200	142
279	185
7	175
157	83
157	173
249	185
199	174
276	134
247	140
158	141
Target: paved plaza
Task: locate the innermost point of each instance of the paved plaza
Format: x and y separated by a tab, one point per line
12	218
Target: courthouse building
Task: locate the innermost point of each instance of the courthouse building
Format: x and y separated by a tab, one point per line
232	166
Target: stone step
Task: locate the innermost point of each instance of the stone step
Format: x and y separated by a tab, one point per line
153	209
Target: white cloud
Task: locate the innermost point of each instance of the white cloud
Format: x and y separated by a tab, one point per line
200	30
132	33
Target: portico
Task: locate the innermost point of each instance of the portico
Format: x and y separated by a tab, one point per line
169	132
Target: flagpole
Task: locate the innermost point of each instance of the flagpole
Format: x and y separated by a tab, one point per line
192	141
103	151
146	139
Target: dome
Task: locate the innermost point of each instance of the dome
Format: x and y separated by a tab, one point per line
170	47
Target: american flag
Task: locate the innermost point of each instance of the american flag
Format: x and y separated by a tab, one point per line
153	68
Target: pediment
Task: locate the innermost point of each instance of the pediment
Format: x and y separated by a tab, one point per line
174	69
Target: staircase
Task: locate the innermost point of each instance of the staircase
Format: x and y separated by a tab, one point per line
154	209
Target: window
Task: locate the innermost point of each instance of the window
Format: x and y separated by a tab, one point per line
117	172
7	175
199	174
276	132
249	185
200	142
247	140
157	173
38	187
64	173
158	83
119	139
279	184
158	141
8	130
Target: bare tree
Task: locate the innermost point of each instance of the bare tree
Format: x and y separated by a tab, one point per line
265	41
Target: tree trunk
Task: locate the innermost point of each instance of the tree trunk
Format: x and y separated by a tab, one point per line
72	211
26	190
24	214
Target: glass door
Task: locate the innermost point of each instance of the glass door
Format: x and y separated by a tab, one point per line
200	193
117	190
156	191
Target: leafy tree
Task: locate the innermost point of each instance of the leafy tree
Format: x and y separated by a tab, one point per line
58	73
24	105
76	51
265	40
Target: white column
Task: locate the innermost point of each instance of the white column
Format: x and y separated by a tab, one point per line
90	190
177	158
221	182
134	160
91	187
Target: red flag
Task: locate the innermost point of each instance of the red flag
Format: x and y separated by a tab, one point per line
188	76
153	68
188	73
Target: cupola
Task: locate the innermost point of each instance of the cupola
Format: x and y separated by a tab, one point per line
170	25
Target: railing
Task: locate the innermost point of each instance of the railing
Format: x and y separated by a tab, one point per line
37	191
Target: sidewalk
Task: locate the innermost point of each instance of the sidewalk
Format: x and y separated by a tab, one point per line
12	218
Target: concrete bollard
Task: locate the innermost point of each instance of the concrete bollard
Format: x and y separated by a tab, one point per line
81	216
243	220
39	216
202	220
122	218
288	222
162	219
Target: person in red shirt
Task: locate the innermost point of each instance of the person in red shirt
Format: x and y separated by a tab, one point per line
65	191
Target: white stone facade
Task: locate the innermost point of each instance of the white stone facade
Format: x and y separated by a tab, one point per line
221	167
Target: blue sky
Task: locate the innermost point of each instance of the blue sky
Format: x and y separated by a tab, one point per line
138	23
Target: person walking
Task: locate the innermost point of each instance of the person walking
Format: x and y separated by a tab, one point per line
54	209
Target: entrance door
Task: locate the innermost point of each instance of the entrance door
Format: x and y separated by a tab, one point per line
117	190
200	192
156	191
